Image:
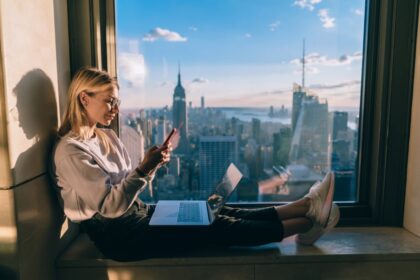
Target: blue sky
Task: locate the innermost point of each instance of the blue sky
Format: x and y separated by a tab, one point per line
239	52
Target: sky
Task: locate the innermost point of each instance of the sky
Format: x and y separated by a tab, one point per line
239	53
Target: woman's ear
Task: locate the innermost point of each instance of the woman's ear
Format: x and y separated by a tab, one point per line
83	98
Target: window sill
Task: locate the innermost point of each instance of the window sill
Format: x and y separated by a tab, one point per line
379	246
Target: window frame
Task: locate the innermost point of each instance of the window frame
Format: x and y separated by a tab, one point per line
385	123
388	70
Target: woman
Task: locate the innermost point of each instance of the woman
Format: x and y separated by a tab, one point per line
99	189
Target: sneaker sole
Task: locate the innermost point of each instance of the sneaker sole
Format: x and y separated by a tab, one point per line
326	209
330	226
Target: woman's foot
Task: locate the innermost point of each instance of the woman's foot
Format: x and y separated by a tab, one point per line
321	198
309	237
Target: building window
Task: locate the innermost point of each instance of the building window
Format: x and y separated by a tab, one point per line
273	86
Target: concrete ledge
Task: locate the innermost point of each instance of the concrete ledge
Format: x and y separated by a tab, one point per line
381	251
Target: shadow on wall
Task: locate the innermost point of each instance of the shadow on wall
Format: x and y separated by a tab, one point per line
36	111
38	214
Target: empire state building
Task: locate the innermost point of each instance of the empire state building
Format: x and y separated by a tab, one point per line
180	119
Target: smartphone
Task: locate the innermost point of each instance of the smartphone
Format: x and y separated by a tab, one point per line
168	139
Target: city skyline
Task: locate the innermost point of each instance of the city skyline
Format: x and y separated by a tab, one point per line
314	142
234	56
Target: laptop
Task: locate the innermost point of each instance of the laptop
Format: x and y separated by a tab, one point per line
197	212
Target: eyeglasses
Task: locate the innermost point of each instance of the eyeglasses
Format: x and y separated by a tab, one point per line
113	101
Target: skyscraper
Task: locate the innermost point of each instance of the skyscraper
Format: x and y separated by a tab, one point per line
340	155
339	124
234	126
134	143
161	130
342	162
256	130
202	102
310	136
215	153
271	113
180	118
309	144
298	95
281	146
341	142
145	125
174	166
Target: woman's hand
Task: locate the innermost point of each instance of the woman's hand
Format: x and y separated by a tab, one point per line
155	158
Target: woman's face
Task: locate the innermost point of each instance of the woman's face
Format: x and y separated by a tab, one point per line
101	107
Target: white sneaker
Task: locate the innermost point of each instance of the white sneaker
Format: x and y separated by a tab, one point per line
321	197
309	237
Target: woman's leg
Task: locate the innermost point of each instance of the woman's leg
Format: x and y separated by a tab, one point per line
295	218
290	216
312	202
295	226
296	209
311	215
316	204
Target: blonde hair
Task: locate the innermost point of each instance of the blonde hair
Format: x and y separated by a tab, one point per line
89	80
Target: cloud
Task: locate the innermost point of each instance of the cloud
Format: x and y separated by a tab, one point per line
335	86
193	28
308	69
166	84
274	92
199	81
346	93
327	21
322	60
132	68
131	64
347	59
247	35
307	4
255	99
273	26
165	34
358	12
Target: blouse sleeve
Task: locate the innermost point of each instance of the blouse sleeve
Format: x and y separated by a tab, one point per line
93	187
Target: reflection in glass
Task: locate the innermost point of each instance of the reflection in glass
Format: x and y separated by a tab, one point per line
277	93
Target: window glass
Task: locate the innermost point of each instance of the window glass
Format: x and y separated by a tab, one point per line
273	86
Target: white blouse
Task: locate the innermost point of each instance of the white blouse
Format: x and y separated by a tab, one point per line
90	181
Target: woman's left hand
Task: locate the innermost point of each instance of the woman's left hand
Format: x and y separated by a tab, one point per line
155	158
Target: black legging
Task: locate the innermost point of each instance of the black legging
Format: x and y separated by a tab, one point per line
130	237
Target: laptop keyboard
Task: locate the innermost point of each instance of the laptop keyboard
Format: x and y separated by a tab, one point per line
189	212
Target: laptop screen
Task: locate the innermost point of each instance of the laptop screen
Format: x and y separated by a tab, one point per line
224	188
